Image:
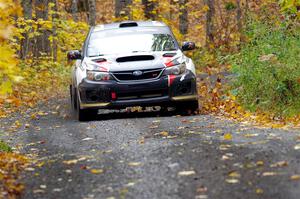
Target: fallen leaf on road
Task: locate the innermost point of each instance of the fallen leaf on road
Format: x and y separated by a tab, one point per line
295	177
96	171
249	135
40	164
297	147
201	189
38	191
57	190
227	136
232	181
224	147
130	184
86	139
75	161
201	197
134	163
142	140
68	162
153	127
42	142
171	137
280	164
29	169
186	173
164	133
43	186
225	157
234	174
260	163
68	171
259	191
269	174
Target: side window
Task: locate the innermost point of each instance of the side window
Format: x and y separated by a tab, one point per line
163	42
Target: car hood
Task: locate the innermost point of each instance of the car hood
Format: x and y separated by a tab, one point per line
131	61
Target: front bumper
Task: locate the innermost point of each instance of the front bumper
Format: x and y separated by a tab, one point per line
166	90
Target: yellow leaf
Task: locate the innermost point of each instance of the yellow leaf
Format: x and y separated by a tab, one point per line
96	171
234	174
280	164
232	181
134	163
259	191
186	173
228	136
295	177
259	163
164	133
269	174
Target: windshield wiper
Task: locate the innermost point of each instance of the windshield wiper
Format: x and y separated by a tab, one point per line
96	55
139	51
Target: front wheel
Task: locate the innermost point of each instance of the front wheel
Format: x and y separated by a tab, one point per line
189	107
84	114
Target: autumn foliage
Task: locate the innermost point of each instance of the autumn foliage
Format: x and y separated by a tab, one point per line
247	50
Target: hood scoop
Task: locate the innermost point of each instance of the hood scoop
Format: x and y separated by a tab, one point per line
135	58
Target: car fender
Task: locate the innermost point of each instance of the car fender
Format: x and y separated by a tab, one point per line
80	71
190	65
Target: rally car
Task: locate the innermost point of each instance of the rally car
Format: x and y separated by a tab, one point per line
132	63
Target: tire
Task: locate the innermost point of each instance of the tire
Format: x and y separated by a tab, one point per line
189	107
73	98
83	114
194	107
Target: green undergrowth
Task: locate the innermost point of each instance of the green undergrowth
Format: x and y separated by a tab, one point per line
4	147
268	68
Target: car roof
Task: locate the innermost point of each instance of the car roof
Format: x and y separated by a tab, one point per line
133	25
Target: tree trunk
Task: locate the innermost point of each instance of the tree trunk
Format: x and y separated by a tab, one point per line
92	12
54	30
183	17
25	43
121	8
42	43
209	22
74	9
149	7
239	18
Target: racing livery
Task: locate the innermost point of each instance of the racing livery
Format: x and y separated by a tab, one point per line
132	64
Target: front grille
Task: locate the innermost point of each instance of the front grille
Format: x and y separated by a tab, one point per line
145	74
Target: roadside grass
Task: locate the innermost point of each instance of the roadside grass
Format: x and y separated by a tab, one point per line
4	147
268	69
264	87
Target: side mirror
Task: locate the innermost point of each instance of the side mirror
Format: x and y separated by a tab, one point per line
74	54
188	46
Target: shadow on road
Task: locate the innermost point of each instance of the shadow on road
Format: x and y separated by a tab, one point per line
112	115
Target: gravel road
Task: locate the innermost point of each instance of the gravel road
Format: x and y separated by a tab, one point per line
149	155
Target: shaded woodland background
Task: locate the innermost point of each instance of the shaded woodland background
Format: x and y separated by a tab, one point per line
255	43
255	40
214	22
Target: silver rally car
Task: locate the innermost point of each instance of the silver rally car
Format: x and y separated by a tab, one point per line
132	64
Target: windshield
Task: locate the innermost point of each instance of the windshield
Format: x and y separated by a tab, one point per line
124	43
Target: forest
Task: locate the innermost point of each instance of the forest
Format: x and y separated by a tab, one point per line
252	48
230	35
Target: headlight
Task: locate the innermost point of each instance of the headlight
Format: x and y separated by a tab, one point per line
175	70
98	76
